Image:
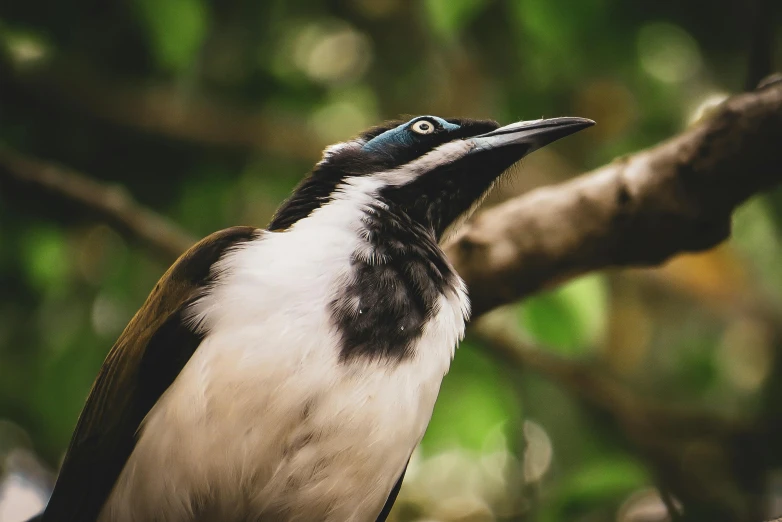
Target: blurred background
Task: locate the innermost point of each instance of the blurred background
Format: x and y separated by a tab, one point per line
636	384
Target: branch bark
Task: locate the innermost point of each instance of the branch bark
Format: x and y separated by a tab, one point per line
112	204
637	211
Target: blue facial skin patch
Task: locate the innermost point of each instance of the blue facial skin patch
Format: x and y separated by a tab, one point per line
402	134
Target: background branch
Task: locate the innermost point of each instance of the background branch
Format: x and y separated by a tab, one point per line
161	109
112	204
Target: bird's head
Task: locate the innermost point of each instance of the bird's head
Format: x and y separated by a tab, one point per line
431	169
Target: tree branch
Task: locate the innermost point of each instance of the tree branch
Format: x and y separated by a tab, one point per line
111	203
639	210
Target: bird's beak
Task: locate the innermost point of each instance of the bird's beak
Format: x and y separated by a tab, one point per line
531	135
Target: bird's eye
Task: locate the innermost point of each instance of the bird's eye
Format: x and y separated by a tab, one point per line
422	127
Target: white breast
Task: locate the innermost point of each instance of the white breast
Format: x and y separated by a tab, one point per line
264	421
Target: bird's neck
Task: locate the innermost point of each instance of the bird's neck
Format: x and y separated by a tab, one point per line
397	280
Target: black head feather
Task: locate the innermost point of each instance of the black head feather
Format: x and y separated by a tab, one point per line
355	159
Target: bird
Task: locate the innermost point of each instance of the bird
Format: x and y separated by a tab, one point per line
287	374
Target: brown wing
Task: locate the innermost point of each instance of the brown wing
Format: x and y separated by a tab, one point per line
142	364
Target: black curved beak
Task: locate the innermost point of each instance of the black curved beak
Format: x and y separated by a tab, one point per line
457	184
532	134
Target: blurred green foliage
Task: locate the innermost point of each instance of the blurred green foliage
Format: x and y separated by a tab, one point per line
571	318
210	112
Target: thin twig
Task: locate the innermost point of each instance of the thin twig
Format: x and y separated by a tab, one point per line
112	204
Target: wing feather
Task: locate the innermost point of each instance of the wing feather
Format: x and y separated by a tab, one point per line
141	365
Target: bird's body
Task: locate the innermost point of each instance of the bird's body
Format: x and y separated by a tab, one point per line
317	432
288	374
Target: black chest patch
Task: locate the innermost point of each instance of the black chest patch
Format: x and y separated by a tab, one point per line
384	306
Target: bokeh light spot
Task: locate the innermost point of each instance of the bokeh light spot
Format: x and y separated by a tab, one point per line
347	113
19	499
668	53
332	53
108	315
24	49
538	452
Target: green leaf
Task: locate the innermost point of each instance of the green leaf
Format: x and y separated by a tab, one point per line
449	17
68	377
45	258
756	235
570	318
24	47
556	24
176	29
609	479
